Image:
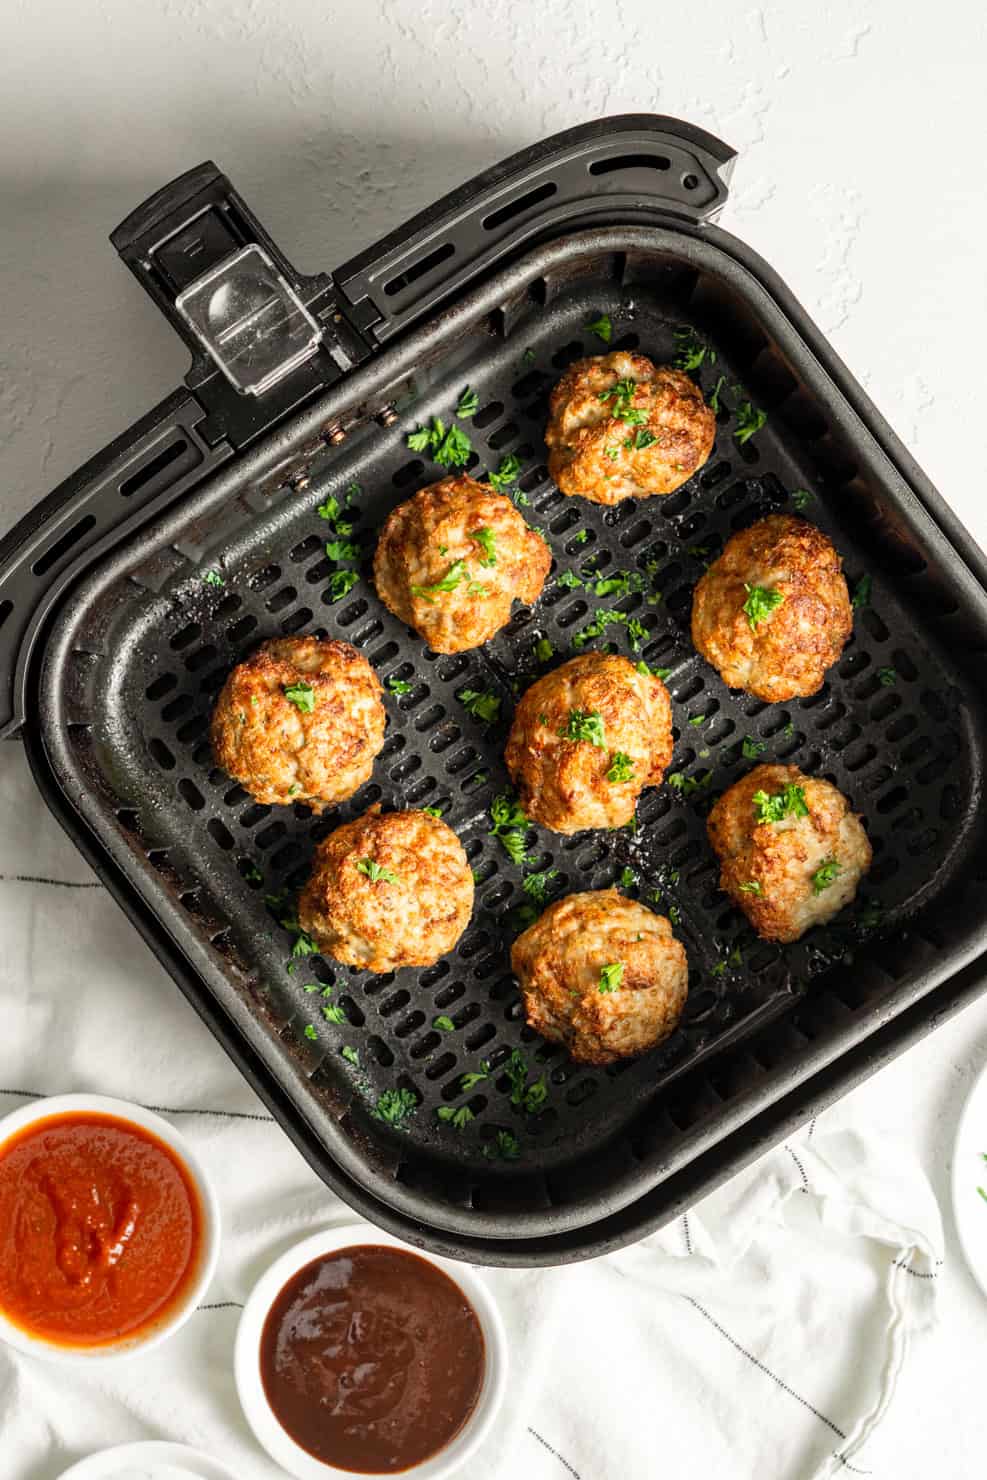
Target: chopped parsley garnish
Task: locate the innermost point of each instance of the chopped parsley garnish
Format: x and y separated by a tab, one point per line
333	1014
611	976
351	1056
628	878
506	474
443	1024
528	358
509	825
888	677
612	453
330	509
761	602
621	768
751	887
536	885
213	578
342	550
301	694
399	686
452	578
311	1032
569	579
503	1145
544	651
713	399
432	811
601	327
801	498
341	583
468	404
692	349
529	1097
622	582
636	631
375	871
622	393
750	419
687	786
697	719
395	1105
861	593
484	537
751	748
471	1080
450	447
640	440
825	875
482	706
580	537
456	1117
584	724
789	802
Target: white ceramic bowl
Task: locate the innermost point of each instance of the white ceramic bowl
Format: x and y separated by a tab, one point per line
40	1110
279	1444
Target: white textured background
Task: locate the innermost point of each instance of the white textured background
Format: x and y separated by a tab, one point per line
860	125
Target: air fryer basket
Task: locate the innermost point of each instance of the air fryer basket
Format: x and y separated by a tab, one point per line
131	665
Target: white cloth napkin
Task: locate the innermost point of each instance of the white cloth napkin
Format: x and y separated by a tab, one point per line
759	1338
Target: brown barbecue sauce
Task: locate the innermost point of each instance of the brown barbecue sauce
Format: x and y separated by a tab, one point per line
372	1359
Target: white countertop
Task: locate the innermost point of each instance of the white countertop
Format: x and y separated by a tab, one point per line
859	126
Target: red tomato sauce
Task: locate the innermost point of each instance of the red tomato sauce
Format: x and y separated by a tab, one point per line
101	1229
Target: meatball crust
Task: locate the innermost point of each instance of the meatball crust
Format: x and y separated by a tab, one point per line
452	559
388	890
567	783
320	748
559	962
790	874
598	453
783	652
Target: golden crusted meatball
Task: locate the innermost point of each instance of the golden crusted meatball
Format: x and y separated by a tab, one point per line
601	974
791	852
622	427
300	720
388	890
773	613
452	559
586	740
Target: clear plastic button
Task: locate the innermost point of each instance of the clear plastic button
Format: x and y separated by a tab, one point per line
250	320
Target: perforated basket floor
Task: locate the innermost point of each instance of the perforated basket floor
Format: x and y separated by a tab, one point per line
894	727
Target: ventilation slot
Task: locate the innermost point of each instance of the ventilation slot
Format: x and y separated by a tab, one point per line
419	269
523	203
60	547
180	450
630	162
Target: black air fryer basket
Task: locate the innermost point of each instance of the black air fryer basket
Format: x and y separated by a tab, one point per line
128	594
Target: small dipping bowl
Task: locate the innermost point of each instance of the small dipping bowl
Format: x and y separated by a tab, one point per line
264	1421
176	1312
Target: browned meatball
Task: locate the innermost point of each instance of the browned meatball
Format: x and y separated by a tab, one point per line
586	740
452	559
603	975
773	613
300	720
621	427
791	852
388	890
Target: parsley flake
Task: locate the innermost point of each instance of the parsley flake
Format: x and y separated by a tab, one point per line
601	327
333	1014
449	582
509	825
456	1117
586	725
342	550
825	875
888	677
503	1145
751	887
443	1024
507	473
536	885
713	399
311	1032
687	786
350	1055
801	498
751	748
622	393
484	537
544	651
640	440
341	583
761	602
482	706
450	447
330	509
692	349
213	578
395	1105
471	1080
621	768
375	872
468	404
861	593
399	685
301	694
789	802
749	421
611	976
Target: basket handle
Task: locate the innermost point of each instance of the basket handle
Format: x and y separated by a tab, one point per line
636	168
